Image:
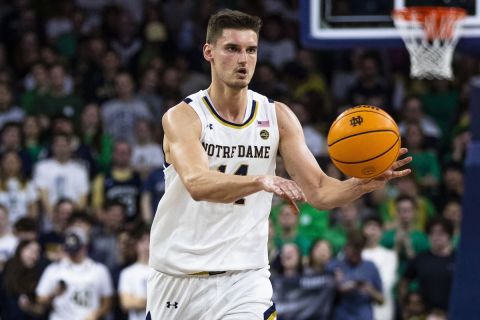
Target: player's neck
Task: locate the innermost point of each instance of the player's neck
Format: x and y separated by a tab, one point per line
230	103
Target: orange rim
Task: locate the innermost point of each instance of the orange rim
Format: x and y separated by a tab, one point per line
438	22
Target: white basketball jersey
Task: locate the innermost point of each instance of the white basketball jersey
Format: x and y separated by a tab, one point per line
192	236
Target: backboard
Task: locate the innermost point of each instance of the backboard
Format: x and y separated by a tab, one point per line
329	24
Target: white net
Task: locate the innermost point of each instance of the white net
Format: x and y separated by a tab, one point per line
430	38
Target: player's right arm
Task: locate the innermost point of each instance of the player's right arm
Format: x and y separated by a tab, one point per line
185	152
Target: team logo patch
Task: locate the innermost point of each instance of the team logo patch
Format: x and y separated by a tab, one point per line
264	134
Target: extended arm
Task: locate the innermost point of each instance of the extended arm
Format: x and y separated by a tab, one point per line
185	152
322	191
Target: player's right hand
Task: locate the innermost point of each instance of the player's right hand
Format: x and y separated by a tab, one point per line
283	188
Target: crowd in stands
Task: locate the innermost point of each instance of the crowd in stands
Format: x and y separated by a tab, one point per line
83	87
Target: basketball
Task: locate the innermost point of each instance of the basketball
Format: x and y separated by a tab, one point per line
363	141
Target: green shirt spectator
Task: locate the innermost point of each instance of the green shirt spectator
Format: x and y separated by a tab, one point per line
287	231
57	101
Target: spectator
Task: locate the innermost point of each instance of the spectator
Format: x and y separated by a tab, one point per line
276	48
288	231
308	296
58	100
93	136
358	282
62	21
37	85
413	307
425	165
52	241
441	103
121	183
8	242
149	94
433	269
80	152
61	177
25	229
290	261
320	255
412	112
32	143
11	140
267	81
452	211
405	238
76	285
386	262
105	248
370	87
99	81
191	79
17	193
8	111
453	183
407	186
26	52
132	287
147	155
120	115
152	191
20	279
315	140
126	41
348	221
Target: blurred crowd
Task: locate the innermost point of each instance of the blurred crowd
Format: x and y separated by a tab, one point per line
83	87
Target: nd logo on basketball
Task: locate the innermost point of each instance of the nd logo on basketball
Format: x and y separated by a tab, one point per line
264	134
356	121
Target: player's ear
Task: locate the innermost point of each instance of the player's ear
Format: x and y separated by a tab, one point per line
207	52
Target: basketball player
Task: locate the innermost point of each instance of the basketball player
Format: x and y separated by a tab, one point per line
208	246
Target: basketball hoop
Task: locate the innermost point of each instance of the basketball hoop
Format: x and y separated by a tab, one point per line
430	35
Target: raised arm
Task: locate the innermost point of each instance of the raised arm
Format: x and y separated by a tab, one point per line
322	191
184	151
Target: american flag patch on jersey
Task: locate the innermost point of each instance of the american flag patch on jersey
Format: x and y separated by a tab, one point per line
263	123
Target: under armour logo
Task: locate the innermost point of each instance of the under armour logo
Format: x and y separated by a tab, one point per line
210	126
356	121
169	304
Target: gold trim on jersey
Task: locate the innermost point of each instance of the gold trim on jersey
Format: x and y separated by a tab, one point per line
249	121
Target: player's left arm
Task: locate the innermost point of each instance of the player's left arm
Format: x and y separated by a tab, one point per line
322	191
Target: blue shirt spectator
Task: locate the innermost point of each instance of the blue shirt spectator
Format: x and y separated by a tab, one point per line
358	282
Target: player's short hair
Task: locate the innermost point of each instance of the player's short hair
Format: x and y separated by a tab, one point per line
231	19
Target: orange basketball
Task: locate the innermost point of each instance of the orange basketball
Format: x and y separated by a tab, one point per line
363	141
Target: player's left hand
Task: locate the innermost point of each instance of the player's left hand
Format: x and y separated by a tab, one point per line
392	173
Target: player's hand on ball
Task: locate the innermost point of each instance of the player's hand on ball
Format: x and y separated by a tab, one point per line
392	173
284	188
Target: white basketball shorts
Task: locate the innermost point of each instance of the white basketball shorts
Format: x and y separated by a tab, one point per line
238	295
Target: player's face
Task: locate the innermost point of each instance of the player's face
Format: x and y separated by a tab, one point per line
233	57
